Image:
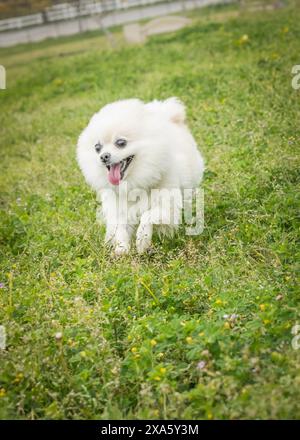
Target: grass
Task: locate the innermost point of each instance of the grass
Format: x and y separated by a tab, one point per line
92	336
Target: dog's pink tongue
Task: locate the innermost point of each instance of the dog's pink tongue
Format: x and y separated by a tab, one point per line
114	174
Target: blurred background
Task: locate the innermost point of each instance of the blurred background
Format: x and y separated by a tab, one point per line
33	20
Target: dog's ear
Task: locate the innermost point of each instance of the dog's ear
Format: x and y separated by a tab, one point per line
172	108
175	109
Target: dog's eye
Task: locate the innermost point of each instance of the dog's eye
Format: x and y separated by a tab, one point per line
98	147
121	143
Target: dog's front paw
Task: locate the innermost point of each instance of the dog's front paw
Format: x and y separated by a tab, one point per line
143	237
122	249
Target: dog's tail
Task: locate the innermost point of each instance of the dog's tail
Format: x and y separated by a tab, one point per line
173	108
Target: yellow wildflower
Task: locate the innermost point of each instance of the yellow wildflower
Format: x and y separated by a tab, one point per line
244	39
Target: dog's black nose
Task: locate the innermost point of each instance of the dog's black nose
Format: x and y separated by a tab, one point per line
105	157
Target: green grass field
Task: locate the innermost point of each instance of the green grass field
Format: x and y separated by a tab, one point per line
154	336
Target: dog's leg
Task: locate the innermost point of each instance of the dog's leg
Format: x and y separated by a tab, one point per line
110	234
118	237
154	216
165	214
145	230
117	233
144	235
122	239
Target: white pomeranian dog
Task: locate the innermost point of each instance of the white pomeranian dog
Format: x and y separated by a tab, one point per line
134	154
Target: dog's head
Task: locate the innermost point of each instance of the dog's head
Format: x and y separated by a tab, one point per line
128	141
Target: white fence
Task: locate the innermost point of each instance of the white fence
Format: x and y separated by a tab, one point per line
21	22
94	21
66	11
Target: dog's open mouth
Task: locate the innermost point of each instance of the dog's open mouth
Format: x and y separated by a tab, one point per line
116	171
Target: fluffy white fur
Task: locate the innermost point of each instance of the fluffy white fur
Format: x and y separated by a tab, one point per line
165	157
